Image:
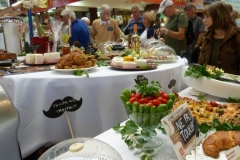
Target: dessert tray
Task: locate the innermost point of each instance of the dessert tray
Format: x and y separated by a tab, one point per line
211	86
71	70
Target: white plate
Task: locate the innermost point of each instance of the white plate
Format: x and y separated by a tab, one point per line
212	86
71	70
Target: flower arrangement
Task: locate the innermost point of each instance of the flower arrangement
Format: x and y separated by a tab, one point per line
22	28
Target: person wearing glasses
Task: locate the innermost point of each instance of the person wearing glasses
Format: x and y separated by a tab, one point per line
174	31
221	42
137	19
105	28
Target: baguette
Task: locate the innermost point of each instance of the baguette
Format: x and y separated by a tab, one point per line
220	140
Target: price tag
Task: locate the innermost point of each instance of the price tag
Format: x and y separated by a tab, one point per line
58	107
233	153
179	126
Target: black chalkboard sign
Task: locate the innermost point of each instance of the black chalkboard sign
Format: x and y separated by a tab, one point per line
58	107
118	47
185	126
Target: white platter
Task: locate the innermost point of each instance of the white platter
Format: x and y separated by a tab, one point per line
71	70
212	86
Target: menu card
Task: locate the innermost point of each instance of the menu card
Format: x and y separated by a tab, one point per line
179	126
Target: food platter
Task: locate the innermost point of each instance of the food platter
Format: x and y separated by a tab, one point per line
71	70
134	69
161	61
212	86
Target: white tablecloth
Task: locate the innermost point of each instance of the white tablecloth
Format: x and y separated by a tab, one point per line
101	109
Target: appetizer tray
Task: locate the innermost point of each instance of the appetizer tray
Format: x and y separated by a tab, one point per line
71	70
213	87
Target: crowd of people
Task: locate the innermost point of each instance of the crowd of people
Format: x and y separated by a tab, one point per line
216	37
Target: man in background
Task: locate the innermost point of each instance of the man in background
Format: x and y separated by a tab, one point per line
174	31
105	28
79	30
198	29
137	19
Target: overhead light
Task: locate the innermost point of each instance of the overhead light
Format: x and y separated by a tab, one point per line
17	3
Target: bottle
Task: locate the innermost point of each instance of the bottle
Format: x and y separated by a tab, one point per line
135	40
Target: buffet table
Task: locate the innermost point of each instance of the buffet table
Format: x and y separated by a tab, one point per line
101	108
166	151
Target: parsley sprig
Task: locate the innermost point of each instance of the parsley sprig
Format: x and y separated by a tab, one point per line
204	127
80	73
148	90
132	136
197	71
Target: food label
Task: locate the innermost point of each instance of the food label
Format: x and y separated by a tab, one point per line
233	153
179	126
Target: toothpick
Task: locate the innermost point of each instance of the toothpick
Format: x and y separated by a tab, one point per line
70	128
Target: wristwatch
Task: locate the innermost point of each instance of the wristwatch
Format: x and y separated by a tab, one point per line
166	31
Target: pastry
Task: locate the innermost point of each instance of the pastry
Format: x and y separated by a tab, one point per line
221	140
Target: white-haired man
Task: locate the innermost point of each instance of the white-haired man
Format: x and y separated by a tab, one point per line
105	28
79	30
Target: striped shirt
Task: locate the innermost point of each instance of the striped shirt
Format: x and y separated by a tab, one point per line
140	25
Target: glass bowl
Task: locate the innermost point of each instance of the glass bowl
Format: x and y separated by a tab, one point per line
93	150
148	122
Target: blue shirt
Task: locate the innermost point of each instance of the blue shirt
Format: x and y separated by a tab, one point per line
140	26
80	33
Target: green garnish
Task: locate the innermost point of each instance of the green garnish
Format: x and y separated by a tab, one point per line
234	77
80	73
198	71
148	90
204	127
132	136
102	63
233	100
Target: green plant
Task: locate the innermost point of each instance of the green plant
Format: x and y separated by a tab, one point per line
132	136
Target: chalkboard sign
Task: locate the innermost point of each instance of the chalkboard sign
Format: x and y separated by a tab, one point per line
58	107
118	47
185	126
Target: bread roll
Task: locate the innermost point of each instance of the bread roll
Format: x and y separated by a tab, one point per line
221	140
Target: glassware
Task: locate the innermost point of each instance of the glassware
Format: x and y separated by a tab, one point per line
148	122
66	49
93	150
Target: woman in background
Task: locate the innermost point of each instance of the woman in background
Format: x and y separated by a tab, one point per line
221	42
149	18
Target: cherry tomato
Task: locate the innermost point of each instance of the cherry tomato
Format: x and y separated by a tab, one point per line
165	101
143	100
161	99
165	96
149	98
132	95
150	104
213	103
133	99
161	93
138	95
156	102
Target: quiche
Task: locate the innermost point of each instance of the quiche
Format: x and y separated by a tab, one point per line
206	111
